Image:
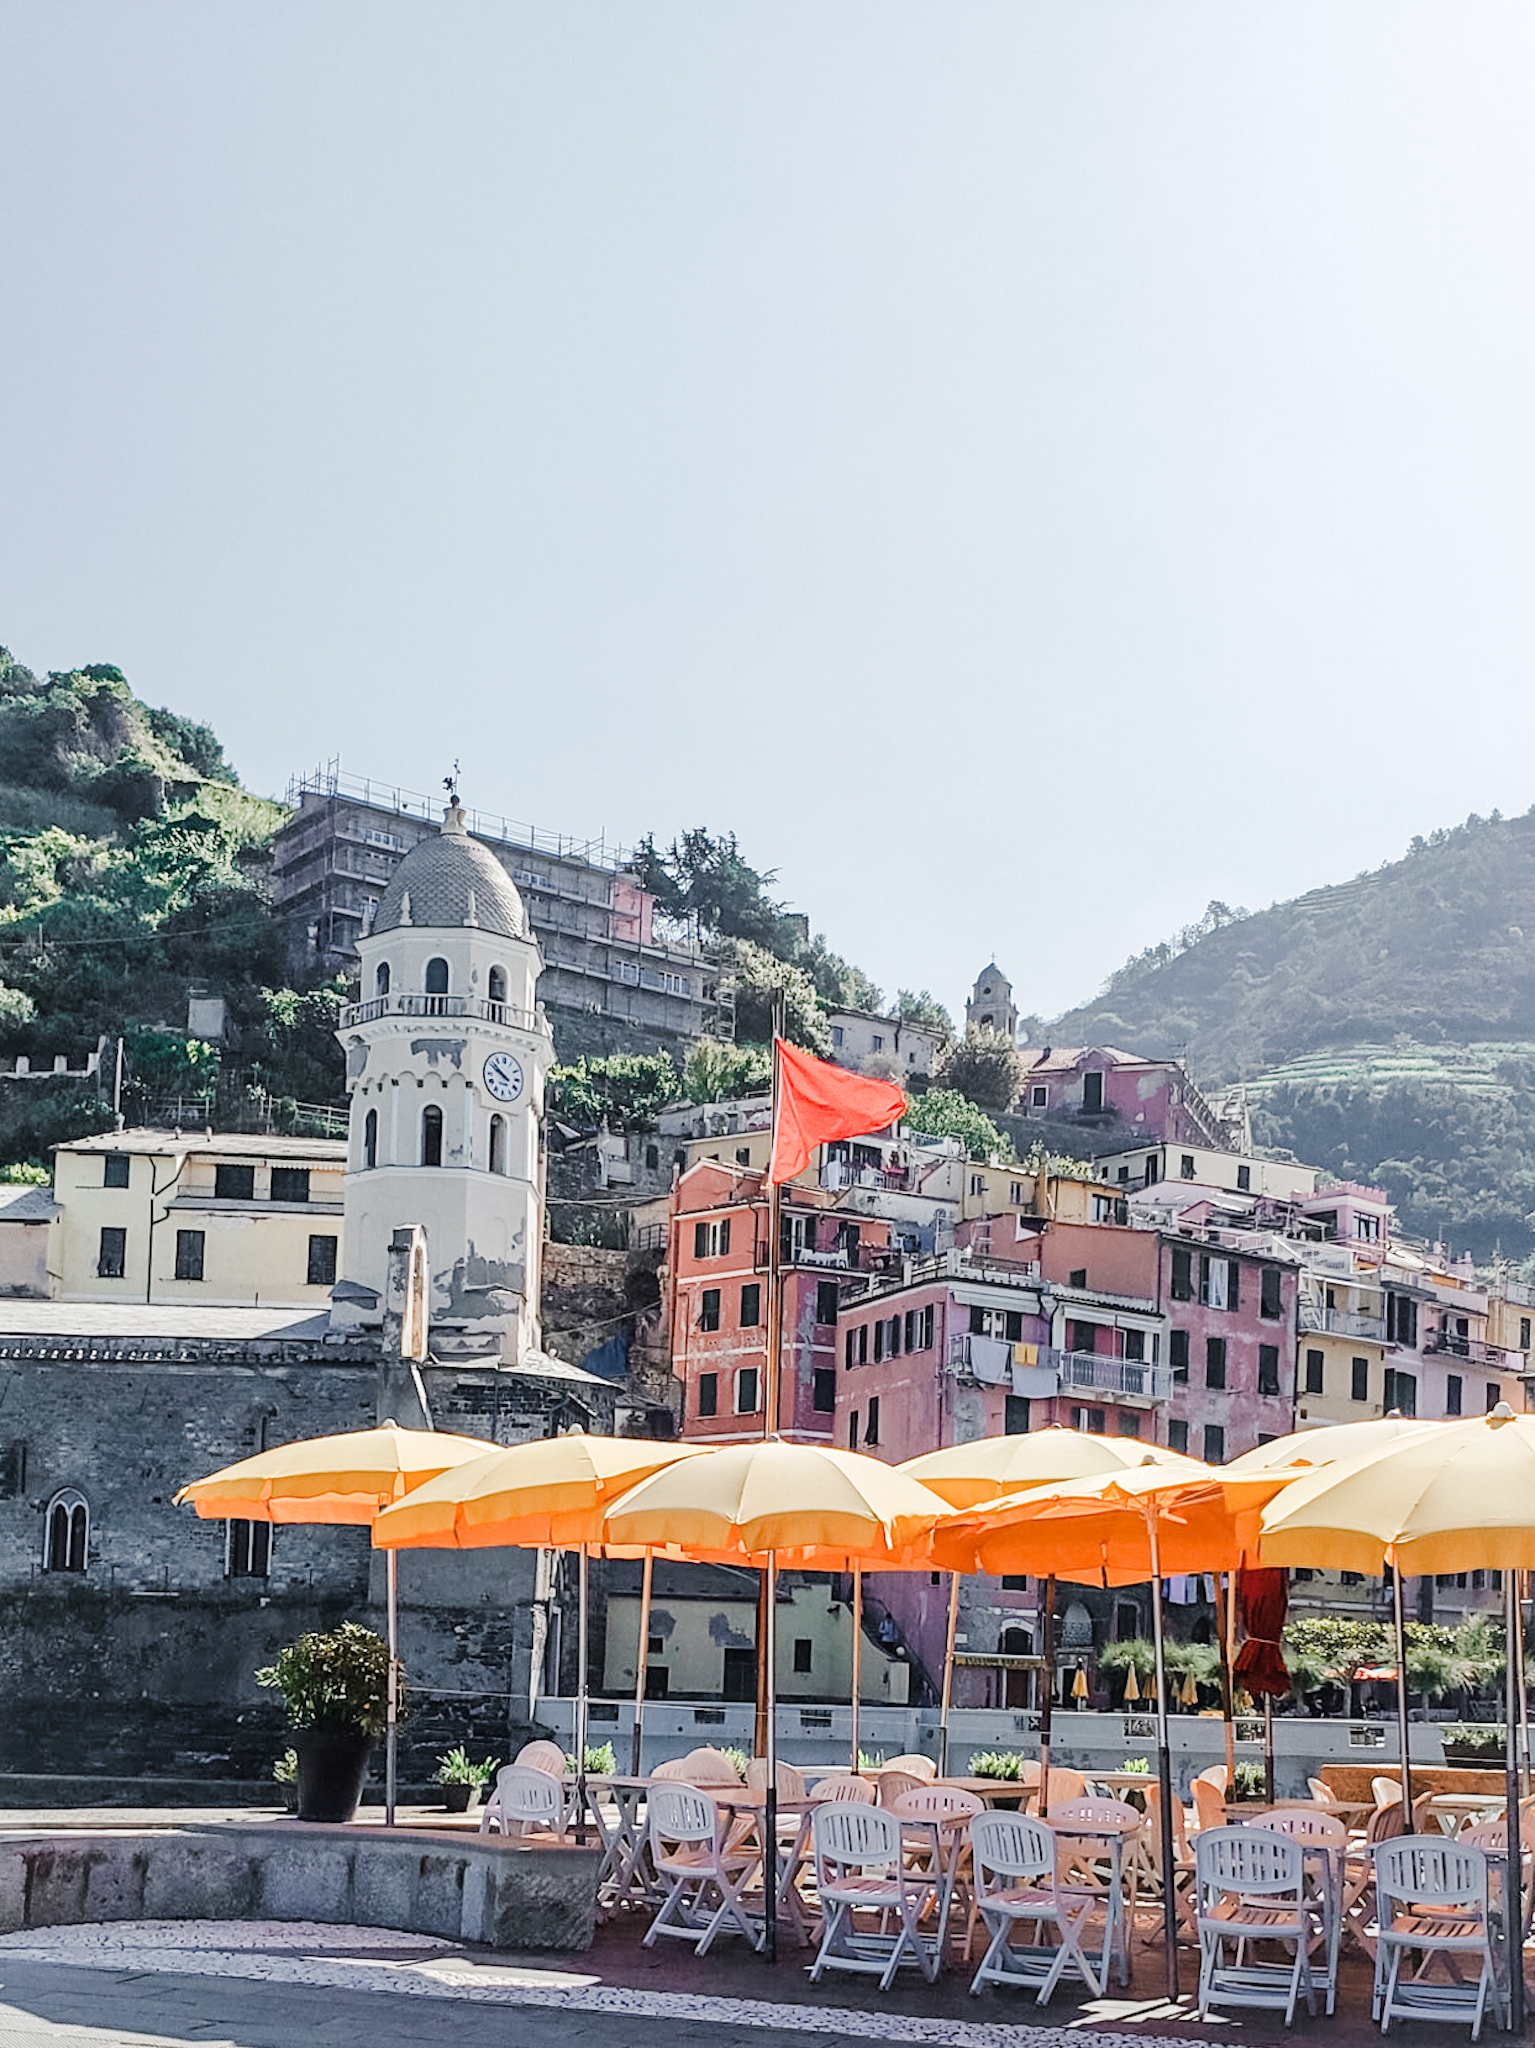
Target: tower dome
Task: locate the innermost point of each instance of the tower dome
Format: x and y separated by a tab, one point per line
449	881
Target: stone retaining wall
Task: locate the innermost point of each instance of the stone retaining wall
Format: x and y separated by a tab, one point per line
470	1888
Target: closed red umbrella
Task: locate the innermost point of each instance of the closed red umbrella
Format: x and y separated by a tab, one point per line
1264	1595
1260	1664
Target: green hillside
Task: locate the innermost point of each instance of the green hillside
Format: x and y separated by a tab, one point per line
1385	1027
132	871
1439	946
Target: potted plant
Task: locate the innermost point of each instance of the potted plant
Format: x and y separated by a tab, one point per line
1005	1764
335	1687
462	1779
285	1773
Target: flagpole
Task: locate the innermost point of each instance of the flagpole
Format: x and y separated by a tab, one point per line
762	1732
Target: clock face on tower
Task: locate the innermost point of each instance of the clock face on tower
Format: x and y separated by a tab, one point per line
503	1076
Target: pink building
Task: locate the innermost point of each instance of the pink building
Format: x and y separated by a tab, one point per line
1112	1090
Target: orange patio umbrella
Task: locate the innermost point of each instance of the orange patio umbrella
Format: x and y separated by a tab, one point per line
1122	1528
549	1493
987	1468
343	1479
770	1502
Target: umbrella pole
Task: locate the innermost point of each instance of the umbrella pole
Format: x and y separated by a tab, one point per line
1513	1886
582	1625
637	1749
1164	1772
1401	1690
1225	1620
948	1677
857	1657
1520	1585
392	1710
770	1751
1047	1704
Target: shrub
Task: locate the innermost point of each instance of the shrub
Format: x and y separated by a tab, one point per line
997	1763
337	1681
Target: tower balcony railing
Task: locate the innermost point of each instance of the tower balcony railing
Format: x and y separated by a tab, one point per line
404	1005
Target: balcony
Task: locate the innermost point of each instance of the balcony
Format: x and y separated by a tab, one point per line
841	1173
1341	1322
1091	1372
441	1006
1444	1343
990	1360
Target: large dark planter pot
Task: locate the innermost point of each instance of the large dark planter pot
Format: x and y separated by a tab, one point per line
458	1798
332	1770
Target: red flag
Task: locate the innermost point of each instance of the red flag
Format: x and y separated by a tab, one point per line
818	1102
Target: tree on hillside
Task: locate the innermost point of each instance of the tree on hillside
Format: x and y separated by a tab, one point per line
943	1113
716	1072
624	1090
198	745
703	882
918	1006
985	1067
759	977
837	982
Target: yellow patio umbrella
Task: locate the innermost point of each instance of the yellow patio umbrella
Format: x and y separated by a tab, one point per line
1327	1444
341	1479
1457	1497
1122	1528
1132	1685
1188	1692
968	1474
769	1502
1079	1685
549	1493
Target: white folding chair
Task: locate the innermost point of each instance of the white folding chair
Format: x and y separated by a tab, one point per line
860	1867
1326	1836
525	1801
914	1764
940	1805
1432	1901
1098	1863
1252	1888
543	1756
1017	1884
700	1866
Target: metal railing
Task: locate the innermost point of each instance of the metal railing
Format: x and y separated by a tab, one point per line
1341	1322
1091	1371
441	1006
1473	1350
1072	1371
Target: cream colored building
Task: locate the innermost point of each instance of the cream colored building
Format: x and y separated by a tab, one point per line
224	1220
703	1622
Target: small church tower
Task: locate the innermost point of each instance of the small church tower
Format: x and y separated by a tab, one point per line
991	1006
446	1056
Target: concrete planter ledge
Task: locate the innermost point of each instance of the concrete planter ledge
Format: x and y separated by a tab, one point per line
475	1888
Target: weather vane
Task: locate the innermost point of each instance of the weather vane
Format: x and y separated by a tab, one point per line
450	784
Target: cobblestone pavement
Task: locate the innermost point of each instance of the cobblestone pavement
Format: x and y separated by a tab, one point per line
274	1985
170	1984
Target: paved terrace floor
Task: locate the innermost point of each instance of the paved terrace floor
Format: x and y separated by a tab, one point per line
275	1985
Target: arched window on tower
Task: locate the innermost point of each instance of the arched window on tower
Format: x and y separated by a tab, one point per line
431	1135
67	1536
381	978
496	987
437	977
498	1144
370	1141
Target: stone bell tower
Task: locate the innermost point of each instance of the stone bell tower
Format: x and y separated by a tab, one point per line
446	1056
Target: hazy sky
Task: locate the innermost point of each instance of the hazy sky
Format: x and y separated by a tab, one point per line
1027	469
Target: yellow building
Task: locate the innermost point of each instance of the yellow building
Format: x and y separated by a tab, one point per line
225	1220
